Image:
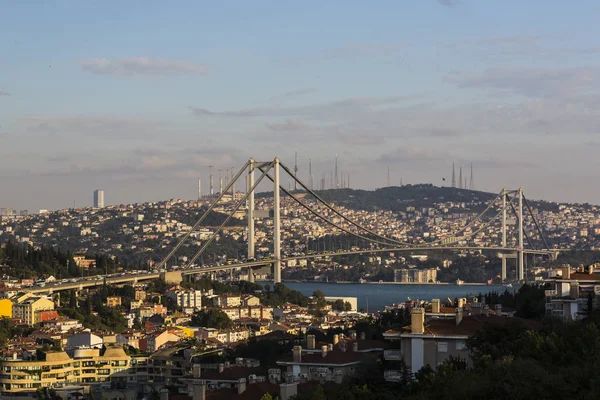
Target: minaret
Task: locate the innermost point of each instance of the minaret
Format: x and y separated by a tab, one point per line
460	181
471	179
453	177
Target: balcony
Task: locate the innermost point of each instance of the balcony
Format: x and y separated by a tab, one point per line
392	355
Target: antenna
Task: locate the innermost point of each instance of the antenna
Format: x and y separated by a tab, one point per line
296	170
460	180
310	177
220	181
388	177
336	173
232	184
453	177
211	179
471	179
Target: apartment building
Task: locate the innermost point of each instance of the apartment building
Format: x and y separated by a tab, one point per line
113	301
414	275
187	298
22	377
29	310
571	293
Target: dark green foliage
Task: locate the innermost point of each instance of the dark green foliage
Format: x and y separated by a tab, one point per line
212	319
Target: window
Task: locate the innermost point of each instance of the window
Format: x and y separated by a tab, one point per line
461	345
442	347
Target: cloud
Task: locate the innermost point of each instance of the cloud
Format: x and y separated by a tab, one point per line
448	3
346	107
294	94
289	125
4	93
532	82
349	51
102	126
357	139
139	66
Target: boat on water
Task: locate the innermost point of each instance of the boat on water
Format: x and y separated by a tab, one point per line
459	282
508	285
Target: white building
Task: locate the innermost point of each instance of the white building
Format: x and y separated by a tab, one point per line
99	198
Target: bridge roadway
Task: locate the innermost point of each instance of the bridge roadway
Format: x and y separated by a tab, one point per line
98	280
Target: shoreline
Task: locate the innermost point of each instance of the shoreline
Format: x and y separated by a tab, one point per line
395	283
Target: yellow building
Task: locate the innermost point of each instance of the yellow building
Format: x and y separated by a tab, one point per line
6	307
113	301
86	367
28	310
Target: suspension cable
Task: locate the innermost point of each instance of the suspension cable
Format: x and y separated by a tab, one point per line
316	213
536	223
524	231
202	218
238	205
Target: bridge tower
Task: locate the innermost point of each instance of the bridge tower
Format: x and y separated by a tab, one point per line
520	252
250	216
503	234
276	225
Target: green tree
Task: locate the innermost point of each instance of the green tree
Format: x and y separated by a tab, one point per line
212	319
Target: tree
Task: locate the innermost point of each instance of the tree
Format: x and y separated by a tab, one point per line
318	304
212	319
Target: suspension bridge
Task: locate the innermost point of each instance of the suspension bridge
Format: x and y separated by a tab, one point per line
508	208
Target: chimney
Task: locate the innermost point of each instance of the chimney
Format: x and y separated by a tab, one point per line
241	385
459	315
363	336
15	356
591	270
498	309
164	394
323	351
221	367
461	303
566	272
574	292
435	306
199	390
417	320
355	347
329	347
310	342
196	371
336	339
288	390
297	353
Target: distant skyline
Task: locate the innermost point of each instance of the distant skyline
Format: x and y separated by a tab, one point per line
140	97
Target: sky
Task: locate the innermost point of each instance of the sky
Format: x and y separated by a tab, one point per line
138	98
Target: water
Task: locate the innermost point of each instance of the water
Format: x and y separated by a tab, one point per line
379	295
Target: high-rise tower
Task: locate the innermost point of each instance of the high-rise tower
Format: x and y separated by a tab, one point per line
460	180
199	189
98	198
335	183
471	179
211	180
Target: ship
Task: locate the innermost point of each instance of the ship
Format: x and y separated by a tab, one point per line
459	282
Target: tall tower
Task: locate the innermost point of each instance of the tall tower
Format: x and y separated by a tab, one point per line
453	177
211	180
296	170
220	181
199	189
310	176
471	179
98	198
335	183
460	181
388	177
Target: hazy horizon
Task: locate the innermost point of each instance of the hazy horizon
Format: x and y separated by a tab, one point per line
138	98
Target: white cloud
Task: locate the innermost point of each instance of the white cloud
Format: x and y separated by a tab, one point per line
4	93
134	66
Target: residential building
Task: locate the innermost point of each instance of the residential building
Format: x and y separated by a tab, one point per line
21	377
29	309
113	301
99	198
6	308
